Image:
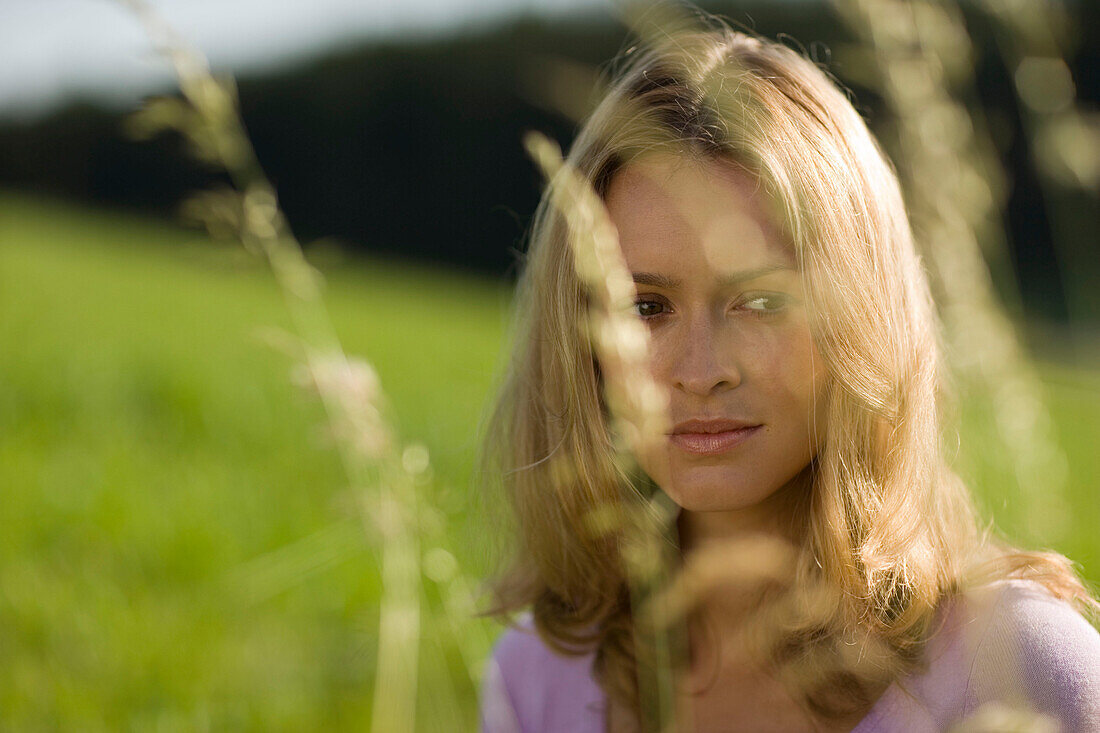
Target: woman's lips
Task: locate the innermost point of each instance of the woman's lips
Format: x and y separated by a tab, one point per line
710	439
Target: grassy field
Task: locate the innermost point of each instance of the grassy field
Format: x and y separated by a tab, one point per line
178	549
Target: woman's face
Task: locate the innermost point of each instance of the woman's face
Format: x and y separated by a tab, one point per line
721	294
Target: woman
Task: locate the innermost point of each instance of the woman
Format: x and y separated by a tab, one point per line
791	327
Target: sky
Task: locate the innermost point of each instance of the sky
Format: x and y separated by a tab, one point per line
54	50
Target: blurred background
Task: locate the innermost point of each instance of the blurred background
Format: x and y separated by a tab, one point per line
178	545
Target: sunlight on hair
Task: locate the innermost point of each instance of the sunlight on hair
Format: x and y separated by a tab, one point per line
888	536
914	43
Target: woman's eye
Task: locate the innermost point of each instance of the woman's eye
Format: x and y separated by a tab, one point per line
648	308
764	304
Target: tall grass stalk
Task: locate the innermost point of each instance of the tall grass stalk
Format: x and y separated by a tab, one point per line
639	413
923	54
387	476
1064	141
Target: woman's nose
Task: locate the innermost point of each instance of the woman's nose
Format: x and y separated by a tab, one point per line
702	362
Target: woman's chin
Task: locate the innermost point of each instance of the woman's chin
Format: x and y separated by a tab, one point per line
726	489
712	498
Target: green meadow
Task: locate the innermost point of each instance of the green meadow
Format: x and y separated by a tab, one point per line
178	547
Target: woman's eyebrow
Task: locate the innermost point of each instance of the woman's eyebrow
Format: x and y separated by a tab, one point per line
656	281
665	282
735	278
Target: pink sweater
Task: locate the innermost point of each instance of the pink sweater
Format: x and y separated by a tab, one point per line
1010	645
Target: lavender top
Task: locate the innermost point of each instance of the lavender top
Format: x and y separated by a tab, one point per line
1010	644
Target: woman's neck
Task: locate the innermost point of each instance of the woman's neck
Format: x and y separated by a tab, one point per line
731	559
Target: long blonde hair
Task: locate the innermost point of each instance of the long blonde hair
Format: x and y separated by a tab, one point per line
888	525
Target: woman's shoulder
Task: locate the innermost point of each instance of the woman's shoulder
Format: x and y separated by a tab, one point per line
528	686
1038	650
1009	645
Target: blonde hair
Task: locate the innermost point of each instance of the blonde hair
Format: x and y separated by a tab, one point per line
888	525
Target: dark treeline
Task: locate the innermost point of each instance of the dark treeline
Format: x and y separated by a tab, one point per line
413	147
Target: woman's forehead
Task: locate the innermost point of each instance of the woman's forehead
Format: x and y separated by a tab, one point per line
680	211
